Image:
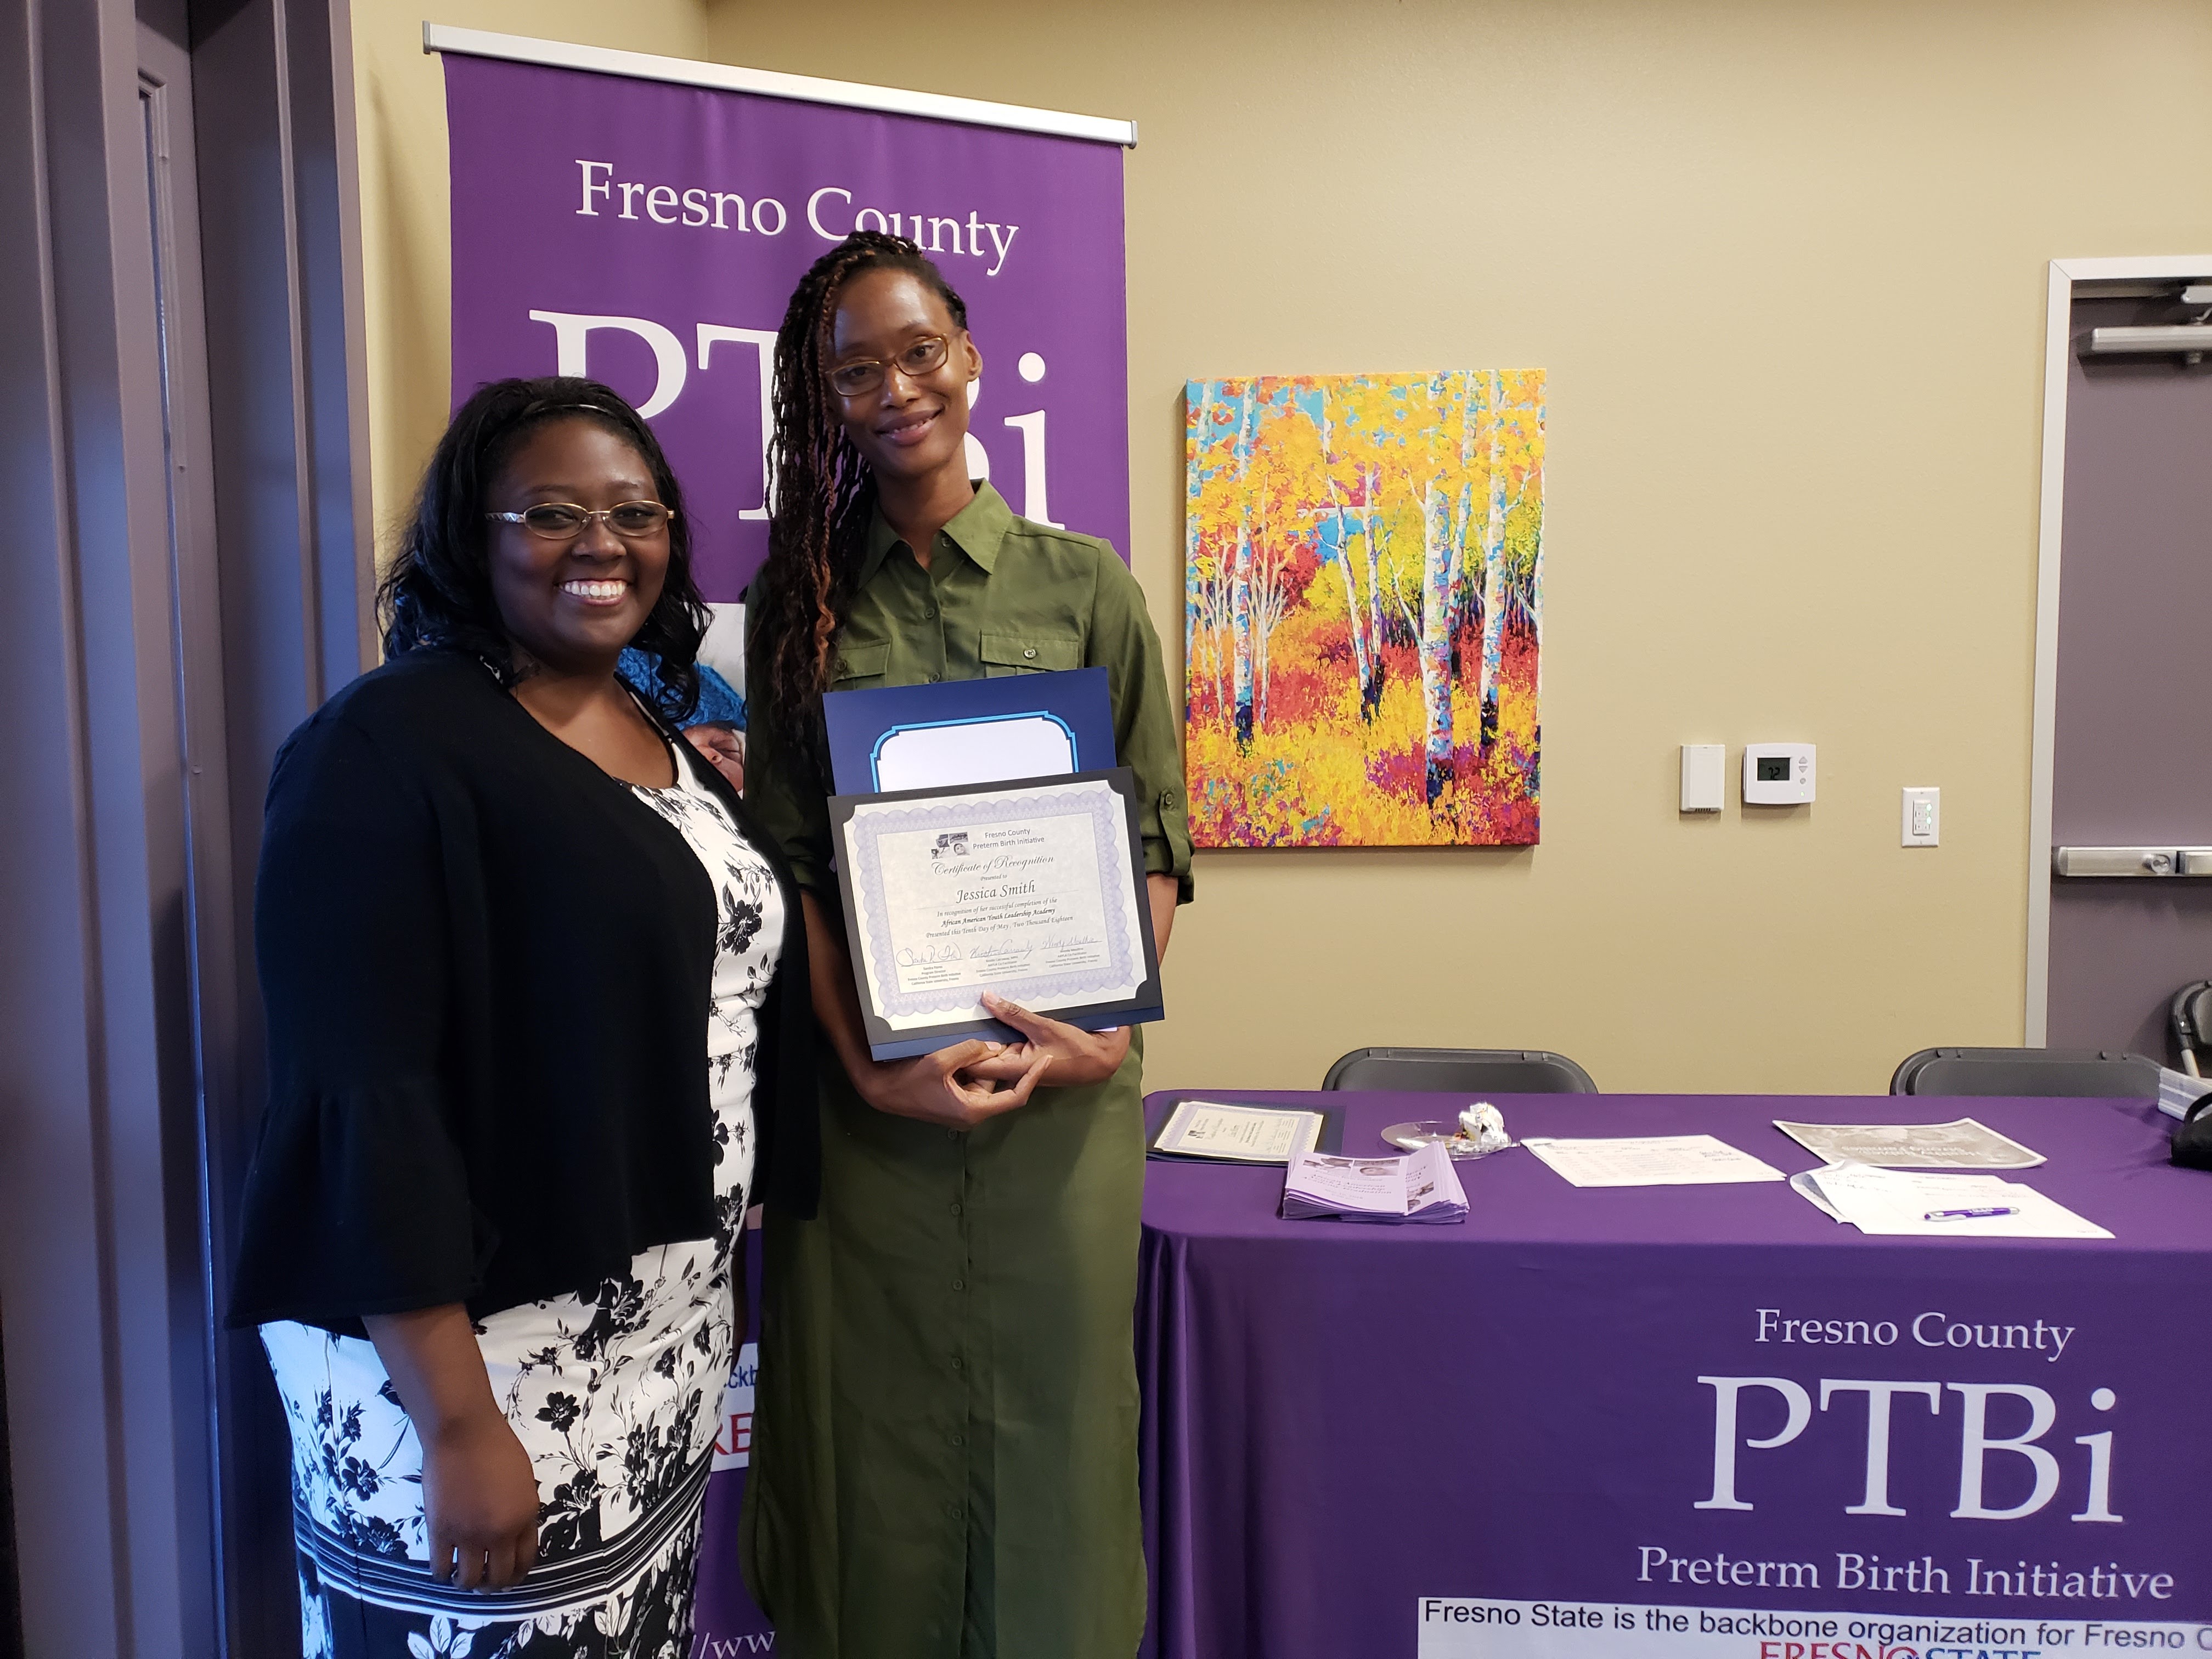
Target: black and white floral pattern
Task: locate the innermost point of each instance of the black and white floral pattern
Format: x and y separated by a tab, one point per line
615	1392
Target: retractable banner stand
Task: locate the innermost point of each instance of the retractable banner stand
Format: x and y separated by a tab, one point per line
647	230
649	233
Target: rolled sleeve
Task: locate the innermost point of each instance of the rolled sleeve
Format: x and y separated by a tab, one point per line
1125	643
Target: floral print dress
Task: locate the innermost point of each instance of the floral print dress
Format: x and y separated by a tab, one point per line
615	1392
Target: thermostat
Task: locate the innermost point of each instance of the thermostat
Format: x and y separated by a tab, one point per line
1778	774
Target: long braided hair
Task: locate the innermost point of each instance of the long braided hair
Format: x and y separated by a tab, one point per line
823	494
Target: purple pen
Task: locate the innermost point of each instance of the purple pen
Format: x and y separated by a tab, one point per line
1971	1215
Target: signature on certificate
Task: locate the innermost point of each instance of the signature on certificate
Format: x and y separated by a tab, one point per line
928	955
1001	952
1009	952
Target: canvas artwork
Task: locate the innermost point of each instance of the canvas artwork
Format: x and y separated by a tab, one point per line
1364	613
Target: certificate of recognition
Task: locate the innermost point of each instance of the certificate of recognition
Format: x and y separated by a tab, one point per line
1211	1130
1032	890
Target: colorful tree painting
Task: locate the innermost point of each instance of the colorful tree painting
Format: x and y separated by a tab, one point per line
1364	615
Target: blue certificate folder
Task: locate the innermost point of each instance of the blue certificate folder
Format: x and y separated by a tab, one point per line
957	731
1104	799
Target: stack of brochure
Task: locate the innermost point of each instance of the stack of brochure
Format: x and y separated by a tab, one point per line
1420	1186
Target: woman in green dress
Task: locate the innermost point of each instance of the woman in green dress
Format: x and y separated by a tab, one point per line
946	1449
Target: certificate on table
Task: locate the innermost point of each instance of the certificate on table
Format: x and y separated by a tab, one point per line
1033	891
1212	1131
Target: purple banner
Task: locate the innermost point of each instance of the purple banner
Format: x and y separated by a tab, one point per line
1691	1421
650	234
726	1623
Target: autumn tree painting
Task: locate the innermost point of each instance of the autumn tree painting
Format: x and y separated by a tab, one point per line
1364	615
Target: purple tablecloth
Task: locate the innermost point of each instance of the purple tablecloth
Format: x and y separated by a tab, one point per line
1357	1436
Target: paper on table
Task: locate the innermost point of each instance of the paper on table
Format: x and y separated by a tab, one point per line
1808	1187
1961	1144
1650	1161
1895	1203
1244	1134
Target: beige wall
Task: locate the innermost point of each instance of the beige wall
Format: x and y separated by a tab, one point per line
1785	266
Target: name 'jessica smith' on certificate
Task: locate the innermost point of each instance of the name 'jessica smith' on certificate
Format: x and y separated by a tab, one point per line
1012	890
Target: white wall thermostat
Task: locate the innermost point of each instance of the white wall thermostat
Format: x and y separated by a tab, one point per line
1778	774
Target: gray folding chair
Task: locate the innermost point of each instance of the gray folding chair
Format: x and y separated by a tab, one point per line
2191	1015
2110	1073
1461	1071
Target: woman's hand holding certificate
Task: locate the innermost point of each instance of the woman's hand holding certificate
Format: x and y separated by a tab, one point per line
952	1088
1029	893
1076	1056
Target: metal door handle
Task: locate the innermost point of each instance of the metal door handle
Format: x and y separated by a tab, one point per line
2132	861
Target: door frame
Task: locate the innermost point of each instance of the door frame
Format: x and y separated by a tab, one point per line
2069	280
136	679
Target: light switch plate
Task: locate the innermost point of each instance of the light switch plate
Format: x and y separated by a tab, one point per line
1921	817
1704	777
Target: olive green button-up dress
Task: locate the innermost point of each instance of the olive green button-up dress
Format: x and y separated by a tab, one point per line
945	1460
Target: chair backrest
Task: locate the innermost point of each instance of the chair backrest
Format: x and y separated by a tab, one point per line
1461	1071
2191	1015
2111	1073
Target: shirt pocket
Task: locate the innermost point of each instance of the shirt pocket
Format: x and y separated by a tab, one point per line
1027	653
862	659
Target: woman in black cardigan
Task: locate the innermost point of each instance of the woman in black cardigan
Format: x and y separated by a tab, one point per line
539	1033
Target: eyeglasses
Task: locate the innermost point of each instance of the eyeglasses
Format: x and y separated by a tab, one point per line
924	356
564	522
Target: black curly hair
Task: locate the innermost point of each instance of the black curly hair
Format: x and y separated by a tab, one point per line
438	594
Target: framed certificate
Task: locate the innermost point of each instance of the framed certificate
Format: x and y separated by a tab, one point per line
957	732
1244	1132
1032	890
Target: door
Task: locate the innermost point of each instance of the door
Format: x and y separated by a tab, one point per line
2130	763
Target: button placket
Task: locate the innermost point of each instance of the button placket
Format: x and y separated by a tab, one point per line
932	612
958	1208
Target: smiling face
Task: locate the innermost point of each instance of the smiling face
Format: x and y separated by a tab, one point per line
907	428
573	604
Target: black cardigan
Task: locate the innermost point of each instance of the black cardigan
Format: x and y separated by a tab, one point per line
487	968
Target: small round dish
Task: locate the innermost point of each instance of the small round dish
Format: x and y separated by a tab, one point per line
1411	1136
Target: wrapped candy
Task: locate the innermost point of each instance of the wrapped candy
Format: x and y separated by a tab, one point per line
1483	1125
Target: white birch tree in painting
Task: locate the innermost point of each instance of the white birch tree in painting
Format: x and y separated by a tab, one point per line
1362	657
1241	580
1435	637
1206	609
1493	571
